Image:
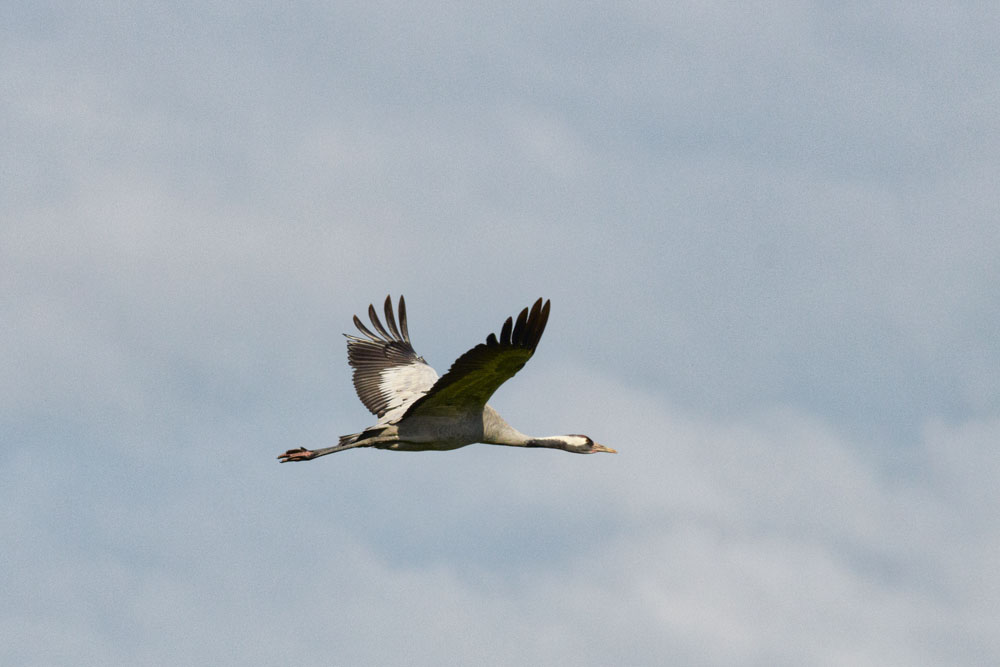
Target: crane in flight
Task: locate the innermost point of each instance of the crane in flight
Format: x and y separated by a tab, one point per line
419	411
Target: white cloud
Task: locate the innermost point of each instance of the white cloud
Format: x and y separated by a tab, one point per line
765	540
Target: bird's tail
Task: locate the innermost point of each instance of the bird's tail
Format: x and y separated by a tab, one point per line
358	439
347	440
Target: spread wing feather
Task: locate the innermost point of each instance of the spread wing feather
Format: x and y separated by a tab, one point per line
388	373
478	373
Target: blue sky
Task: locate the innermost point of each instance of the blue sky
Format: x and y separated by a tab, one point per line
770	238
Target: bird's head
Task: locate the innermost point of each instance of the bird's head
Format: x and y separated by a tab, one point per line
581	444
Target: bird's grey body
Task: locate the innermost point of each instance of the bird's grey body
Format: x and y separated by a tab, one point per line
439	433
419	411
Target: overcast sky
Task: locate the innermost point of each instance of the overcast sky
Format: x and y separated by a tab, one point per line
771	237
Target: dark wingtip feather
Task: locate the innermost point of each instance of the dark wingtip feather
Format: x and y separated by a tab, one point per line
532	329
363	329
542	321
539	318
390	319
505	331
373	316
402	319
527	330
517	338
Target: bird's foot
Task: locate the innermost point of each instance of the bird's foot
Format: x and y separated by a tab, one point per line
300	454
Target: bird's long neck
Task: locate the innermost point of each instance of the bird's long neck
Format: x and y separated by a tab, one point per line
518	439
496	431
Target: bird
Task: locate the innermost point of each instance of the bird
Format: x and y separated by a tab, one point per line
419	411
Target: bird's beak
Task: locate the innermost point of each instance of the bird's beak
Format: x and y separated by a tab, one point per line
602	448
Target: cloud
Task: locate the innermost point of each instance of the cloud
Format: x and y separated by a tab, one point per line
768	539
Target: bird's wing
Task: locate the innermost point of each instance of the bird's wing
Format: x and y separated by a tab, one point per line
478	373
388	373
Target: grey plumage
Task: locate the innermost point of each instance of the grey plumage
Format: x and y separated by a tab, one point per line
419	411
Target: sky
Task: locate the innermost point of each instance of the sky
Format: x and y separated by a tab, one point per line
769	234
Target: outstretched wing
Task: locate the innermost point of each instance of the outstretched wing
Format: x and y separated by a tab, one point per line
388	374
478	373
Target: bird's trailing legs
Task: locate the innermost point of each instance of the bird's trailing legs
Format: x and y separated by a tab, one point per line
303	454
350	442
